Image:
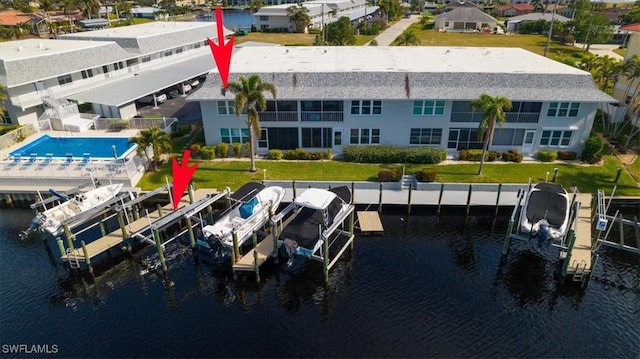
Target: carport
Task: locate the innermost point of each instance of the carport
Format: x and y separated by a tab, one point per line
117	99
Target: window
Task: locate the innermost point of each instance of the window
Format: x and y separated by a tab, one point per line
316	137
119	66
263	141
563	109
64	79
366	107
168	53
226	108
556	138
428	107
87	73
146	58
364	136
464	138
179	50
508	137
233	135
425	136
264	18
105	69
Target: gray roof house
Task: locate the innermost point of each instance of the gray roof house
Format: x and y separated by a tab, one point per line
514	22
328	97
465	16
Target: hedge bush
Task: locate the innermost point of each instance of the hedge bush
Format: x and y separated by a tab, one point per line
208	152
222	150
195	148
475	155
567	155
390	175
181	131
393	154
275	154
547	155
300	154
426	175
512	156
237	149
592	148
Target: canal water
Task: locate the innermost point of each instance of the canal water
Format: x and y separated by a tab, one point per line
426	288
233	18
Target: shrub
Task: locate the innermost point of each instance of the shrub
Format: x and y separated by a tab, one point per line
390	174
327	154
180	131
297	154
491	156
426	175
476	155
275	154
393	154
246	150
237	149
222	150
208	152
567	155
195	148
512	156
547	155
592	148
463	155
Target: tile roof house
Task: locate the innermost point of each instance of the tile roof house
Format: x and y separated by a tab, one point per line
515	9
464	16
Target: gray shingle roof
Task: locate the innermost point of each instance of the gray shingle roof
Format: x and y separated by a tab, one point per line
466	14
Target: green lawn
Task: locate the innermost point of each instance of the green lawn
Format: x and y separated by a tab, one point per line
533	43
277	38
363	39
221	174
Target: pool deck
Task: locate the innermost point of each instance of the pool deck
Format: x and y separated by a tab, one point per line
31	175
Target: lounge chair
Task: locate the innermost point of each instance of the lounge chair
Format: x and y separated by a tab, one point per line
17	159
86	158
32	159
68	160
47	160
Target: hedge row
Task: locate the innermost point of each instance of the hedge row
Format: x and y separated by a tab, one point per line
476	155
395	174
394	154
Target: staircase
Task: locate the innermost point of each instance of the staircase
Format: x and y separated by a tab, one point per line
408	181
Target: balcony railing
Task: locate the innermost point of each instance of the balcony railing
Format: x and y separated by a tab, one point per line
523	117
322	116
270	116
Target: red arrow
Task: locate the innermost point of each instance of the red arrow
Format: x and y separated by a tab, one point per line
221	51
181	177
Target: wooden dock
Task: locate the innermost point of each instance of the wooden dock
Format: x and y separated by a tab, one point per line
115	238
581	253
369	222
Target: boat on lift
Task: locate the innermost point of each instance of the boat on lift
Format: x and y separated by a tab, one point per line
546	211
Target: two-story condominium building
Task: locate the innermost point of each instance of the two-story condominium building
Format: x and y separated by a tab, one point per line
108	68
329	97
321	12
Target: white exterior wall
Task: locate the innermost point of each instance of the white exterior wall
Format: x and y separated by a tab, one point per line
128	111
397	119
275	22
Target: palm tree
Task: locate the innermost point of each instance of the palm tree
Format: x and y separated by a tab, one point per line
157	139
406	38
250	99
67	6
492	113
3	98
255	6
299	17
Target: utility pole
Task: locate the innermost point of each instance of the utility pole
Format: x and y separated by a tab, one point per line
324	34
553	14
585	46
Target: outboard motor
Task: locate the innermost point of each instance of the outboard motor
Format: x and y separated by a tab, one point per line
544	230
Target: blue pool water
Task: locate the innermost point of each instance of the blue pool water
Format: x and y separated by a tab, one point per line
98	147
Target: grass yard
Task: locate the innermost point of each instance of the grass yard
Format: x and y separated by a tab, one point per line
277	38
363	39
620	52
533	43
233	174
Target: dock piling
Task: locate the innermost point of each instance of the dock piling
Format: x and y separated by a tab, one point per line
236	249
325	261
440	200
256	266
380	199
156	237
123	226
192	239
555	174
293	184
60	246
408	201
68	236
469	200
507	238
87	258
495	215
159	207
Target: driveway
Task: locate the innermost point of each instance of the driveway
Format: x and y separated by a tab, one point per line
602	50
387	36
186	112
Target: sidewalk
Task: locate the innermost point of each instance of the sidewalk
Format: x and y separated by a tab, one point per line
386	37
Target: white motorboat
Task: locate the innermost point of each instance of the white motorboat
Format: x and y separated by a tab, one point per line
51	219
248	213
546	211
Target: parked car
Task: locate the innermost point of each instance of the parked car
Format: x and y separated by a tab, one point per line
160	98
185	88
195	82
173	93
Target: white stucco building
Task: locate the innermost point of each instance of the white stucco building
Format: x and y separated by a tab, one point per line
108	68
329	97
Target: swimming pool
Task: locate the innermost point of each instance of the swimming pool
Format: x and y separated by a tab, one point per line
60	147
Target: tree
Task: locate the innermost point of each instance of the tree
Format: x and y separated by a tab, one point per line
341	32
391	8
406	38
606	71
67	6
493	112
3	98
249	97
590	28
425	20
417	6
255	6
299	17
157	139
632	17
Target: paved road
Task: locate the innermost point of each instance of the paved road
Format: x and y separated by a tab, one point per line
602	50
387	36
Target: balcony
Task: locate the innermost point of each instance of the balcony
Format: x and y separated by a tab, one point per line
271	116
523	117
317	116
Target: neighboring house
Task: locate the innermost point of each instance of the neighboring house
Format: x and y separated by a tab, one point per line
328	97
109	68
514	9
265	2
147	13
621	91
320	11
465	16
93	24
515	22
599	5
11	20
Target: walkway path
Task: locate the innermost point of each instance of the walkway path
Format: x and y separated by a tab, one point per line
386	37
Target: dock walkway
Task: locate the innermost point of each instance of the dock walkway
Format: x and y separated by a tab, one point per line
581	252
116	237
